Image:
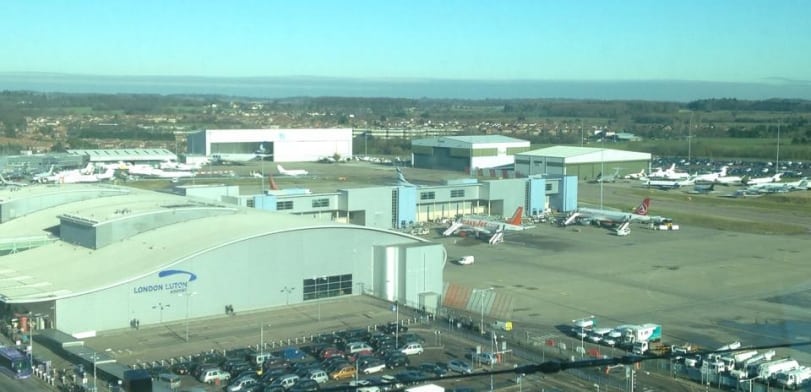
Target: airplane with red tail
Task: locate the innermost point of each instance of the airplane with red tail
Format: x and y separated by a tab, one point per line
613	217
487	226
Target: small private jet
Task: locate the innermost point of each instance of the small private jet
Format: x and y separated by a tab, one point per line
291	173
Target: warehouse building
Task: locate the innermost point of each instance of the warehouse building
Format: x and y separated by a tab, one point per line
88	258
582	162
279	145
466	153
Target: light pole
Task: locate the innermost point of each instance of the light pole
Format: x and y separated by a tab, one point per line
188	295
161	306
582	324
287	291
478	293
95	358
31	326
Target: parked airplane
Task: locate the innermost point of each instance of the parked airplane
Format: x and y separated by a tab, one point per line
635	176
173	165
703	188
607	178
5	182
670	184
779	187
799	185
762	180
487	226
292	173
668	174
712	177
729	180
612	217
401	180
42	177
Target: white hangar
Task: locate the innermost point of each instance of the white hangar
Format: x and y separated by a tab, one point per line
87	258
279	145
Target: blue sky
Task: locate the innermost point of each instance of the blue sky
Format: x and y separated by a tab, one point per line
731	41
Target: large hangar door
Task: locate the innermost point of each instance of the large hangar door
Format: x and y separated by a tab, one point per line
407	273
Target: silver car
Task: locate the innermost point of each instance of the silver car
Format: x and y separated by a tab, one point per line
459	366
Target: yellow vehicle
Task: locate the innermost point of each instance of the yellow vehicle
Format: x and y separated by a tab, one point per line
343	373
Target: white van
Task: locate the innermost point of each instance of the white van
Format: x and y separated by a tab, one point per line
319	376
412	349
210	376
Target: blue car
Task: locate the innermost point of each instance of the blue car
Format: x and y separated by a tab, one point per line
292	354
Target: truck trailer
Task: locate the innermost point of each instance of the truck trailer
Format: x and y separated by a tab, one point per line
793	379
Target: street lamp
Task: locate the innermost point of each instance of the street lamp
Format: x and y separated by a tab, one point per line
478	292
187	294
161	306
582	324
95	358
287	291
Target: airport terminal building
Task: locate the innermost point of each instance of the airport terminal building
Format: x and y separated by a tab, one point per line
88	258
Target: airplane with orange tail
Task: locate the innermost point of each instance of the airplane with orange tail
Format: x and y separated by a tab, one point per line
487	226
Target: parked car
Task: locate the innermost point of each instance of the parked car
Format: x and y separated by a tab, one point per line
412	349
459	366
292	354
241	384
213	375
317	375
437	369
484	358
396	359
372	366
343	373
305	385
285	381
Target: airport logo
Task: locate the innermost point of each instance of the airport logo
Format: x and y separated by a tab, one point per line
174	286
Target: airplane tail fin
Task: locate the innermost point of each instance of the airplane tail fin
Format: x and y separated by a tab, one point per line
516	218
401	180
724	171
672	167
643	208
272	183
281	169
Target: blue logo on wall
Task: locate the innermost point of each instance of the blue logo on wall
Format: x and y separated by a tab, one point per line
163	274
173	287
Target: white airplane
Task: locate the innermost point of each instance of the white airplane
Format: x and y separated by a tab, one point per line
292	173
762	180
779	187
607	178
668	174
85	174
729	180
612	217
712	177
173	165
799	185
635	176
670	184
5	182
42	177
486	226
